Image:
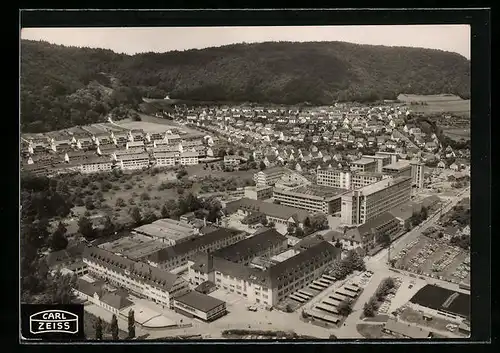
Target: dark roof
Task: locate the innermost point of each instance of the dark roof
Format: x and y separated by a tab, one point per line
139	271
89	288
252	246
404	212
57	257
321	249
185	247
429	201
200	301
373	223
116	301
269	209
208	229
308	242
439	298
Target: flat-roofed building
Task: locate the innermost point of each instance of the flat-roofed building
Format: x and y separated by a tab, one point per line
269	176
201	306
138	277
335	178
400	168
382	160
179	254
417	173
267	243
392	155
291	180
168	231
258	192
358	206
313	198
361	179
189	158
364	165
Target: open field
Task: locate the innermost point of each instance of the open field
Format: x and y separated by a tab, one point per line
153	124
457	134
440	103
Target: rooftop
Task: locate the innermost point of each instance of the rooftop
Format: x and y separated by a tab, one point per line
407	330
399	165
251	246
382	184
199	301
439	298
363	161
314	191
267	208
167	228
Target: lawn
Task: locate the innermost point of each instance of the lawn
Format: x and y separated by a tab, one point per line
457	134
371	331
415	317
437	103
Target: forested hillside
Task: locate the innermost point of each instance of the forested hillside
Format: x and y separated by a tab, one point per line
64	86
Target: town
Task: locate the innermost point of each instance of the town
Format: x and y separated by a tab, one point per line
347	221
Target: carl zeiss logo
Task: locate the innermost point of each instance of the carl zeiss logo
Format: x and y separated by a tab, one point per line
52	321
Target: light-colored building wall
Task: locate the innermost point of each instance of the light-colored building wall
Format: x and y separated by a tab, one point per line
334	178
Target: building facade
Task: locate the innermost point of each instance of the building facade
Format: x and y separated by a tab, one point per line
141	279
358	206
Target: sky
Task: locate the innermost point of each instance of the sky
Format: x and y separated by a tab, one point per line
454	38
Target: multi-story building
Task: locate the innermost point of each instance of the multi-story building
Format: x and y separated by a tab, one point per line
392	155
231	161
400	168
358	206
178	255
335	178
258	192
382	160
201	306
134	161
364	165
312	198
278	214
97	164
267	243
291	180
165	159
269	176
168	231
142	279
188	158
360	179
270	285
417	173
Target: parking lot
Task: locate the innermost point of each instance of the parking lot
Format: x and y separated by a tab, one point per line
434	257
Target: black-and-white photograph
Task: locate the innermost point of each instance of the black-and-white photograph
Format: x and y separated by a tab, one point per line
246	183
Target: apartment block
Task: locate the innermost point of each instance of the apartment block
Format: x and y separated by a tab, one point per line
417	173
269	176
258	192
335	178
364	165
382	160
359	206
313	198
142	279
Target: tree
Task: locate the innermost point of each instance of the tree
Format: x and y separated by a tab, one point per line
131	324
181	173
299	232
424	213
120	202
383	239
165	213
271	224
114	328
262	165
85	227
58	240
338	244
319	222
290	229
108	226
135	213
307	222
98	329
354	262
369	308
345	307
